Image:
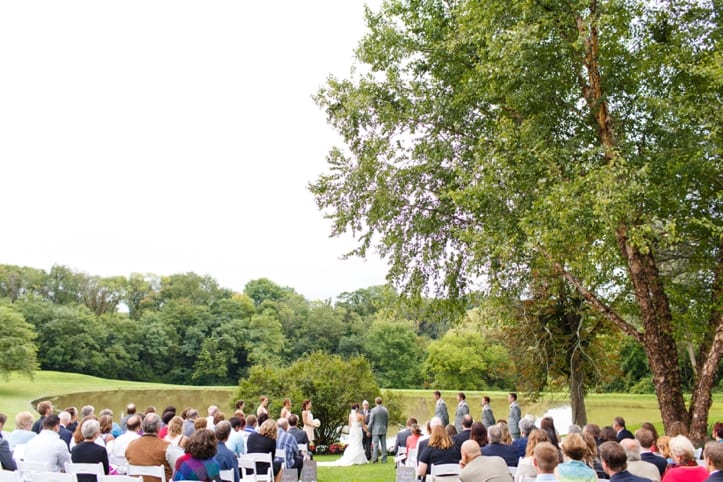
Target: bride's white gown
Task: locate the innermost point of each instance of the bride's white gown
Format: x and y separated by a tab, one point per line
354	452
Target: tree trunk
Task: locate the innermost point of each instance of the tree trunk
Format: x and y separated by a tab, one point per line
658	340
709	357
577	391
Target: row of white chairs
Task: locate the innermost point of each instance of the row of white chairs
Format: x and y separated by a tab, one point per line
47	476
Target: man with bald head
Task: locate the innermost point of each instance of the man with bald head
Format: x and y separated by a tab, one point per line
636	466
476	466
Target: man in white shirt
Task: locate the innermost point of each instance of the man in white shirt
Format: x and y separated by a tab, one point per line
47	446
117	448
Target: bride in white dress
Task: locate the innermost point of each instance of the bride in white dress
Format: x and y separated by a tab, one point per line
354	452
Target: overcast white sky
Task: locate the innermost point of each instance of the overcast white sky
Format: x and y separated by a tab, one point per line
170	136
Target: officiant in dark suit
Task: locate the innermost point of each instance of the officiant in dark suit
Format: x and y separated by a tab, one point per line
366	440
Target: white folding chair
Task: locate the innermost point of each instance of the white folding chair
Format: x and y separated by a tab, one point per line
10	476
444	472
264	457
119	478
226	475
411	458
281	454
401	455
75	468
52	477
247	463
19	452
27	468
528	478
512	470
149	470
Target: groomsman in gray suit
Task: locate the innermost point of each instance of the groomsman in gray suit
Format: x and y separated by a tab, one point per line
378	422
462	410
513	420
488	418
440	409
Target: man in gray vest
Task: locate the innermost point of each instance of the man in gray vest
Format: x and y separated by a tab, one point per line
377	428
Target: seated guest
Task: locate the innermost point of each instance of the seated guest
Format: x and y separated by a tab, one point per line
713	456
636	466
117	453
414	437
174	432
646	438
574	469
686	468
594	431
548	425
495	447
506	437
6	456
526	426
264	441
149	449
464	434
478	433
225	457
44	408
47	447
477	467
620	431
546	458
198	463
287	442
22	433
614	463
89	452
662	444
591	458
401	440
526	466
439	450
237	439
65	434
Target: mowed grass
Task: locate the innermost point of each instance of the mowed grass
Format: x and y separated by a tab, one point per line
356	473
18	391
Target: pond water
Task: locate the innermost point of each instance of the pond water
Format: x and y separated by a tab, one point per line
599	411
420	406
118	400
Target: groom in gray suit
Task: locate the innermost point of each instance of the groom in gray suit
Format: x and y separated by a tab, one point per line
377	428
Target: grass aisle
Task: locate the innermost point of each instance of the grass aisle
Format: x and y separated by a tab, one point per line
355	473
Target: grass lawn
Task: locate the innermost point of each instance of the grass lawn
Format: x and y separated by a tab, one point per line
355	473
17	393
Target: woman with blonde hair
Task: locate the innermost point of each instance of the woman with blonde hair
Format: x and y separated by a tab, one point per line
506	436
175	433
574	469
686	468
662	445
439	450
264	441
526	466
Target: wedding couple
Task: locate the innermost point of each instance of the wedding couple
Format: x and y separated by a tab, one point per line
354	453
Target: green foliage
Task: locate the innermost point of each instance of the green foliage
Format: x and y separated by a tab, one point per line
489	140
329	381
464	360
16	343
395	353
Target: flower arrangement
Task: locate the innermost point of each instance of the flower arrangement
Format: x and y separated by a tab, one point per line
333	449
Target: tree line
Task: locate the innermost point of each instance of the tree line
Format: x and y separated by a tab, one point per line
186	329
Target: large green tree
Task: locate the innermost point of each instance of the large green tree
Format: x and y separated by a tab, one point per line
484	137
16	342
